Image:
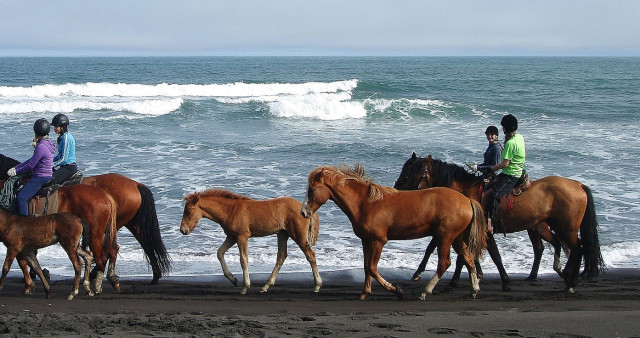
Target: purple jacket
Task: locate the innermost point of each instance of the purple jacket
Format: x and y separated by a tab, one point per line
41	163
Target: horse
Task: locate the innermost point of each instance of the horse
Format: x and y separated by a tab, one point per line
553	208
137	212
242	217
99	209
24	235
379	214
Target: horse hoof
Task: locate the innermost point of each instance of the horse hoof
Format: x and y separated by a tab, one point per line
244	291
531	279
571	291
235	282
423	296
70	297
363	295
154	281
414	278
316	289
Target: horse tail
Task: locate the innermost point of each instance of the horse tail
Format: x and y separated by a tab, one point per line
314	229
478	231
111	230
593	261
86	234
147	231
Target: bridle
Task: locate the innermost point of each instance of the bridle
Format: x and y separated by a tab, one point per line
424	178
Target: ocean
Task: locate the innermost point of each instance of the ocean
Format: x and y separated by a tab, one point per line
258	125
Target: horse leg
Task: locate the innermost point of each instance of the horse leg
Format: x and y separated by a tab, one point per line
425	259
77	268
572	269
494	253
465	257
444	261
455	279
283	237
376	250
366	251
311	258
11	254
87	257
538	248
29	284
35	265
243	243
111	271
228	243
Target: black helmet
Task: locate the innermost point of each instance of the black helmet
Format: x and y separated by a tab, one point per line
41	127
509	123
60	120
493	130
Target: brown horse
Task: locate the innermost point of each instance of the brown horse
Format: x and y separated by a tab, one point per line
137	212
24	235
553	208
241	218
99	209
379	214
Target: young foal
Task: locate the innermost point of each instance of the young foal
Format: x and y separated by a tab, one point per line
24	235
241	217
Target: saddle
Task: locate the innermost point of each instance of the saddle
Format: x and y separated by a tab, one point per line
45	201
506	201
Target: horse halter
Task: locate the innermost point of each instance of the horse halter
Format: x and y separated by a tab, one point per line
424	178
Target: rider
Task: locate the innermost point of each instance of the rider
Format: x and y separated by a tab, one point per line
492	155
40	165
64	163
512	165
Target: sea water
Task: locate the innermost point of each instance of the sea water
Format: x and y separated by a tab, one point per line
258	125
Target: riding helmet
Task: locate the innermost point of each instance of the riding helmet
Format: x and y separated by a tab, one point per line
509	123
60	120
492	130
41	127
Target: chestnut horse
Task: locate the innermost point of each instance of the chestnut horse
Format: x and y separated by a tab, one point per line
137	212
379	214
24	235
242	217
553	208
99	209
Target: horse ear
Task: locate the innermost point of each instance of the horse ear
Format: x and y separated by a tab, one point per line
429	158
413	156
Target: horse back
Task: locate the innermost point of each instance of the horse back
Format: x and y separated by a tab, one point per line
124	192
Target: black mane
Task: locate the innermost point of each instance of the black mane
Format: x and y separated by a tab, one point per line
6	163
444	174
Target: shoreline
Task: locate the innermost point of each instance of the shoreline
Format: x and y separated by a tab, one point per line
180	306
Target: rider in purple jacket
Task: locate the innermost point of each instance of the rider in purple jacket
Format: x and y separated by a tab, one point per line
40	165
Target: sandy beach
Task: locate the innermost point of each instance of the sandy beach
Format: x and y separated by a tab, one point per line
211	306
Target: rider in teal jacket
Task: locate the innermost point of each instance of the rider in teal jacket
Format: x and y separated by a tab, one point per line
64	163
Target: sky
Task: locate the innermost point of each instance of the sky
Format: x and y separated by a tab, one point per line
320	27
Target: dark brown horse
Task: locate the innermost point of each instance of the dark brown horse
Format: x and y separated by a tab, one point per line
553	208
24	235
379	214
99	210
241	218
137	212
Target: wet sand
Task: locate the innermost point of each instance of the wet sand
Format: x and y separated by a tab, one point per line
211	306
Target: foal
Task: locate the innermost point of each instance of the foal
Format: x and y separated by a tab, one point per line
24	235
241	217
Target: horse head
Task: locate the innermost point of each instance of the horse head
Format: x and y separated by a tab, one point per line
191	215
414	174
317	192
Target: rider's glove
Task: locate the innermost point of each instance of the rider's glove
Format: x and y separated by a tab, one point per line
11	172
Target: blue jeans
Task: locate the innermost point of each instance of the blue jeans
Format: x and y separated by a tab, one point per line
27	191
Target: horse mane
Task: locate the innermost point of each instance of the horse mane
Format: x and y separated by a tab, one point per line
6	163
345	173
221	193
446	173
